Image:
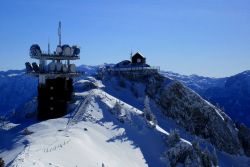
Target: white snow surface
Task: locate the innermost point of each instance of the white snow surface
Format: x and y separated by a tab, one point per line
75	147
89	136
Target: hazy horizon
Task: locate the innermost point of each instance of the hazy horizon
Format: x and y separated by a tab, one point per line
208	38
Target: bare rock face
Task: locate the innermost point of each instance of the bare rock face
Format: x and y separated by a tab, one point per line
195	114
244	136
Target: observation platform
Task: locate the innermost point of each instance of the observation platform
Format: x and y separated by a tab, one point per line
131	69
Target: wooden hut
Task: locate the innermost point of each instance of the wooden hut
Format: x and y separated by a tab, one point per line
138	58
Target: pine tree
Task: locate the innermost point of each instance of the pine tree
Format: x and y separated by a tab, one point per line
147	113
206	160
117	109
173	138
147	109
127	115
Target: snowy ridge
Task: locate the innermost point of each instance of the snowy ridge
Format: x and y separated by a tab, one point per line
53	138
93	134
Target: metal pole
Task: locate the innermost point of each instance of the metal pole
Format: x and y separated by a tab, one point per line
59	33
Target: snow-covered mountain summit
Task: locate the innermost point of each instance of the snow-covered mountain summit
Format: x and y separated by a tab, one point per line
106	126
95	133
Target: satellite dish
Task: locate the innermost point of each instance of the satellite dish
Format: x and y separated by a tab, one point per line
28	67
64	68
58	50
52	66
58	67
76	50
66	50
72	68
35	50
35	67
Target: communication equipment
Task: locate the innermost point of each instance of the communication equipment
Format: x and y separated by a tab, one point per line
72	68
75	50
55	87
59	50
35	50
64	68
52	66
28	67
58	67
66	50
35	67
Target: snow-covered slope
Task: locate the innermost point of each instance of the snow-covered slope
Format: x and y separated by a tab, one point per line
89	136
94	133
221	127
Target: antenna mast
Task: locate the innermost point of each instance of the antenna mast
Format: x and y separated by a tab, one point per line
131	54
59	33
48	46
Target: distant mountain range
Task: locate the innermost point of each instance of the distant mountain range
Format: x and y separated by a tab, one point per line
15	90
232	94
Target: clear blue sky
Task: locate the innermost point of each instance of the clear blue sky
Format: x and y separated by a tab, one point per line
205	37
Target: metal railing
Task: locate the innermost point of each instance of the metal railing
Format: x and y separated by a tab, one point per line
120	69
55	56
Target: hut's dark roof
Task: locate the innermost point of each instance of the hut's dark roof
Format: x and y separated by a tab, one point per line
138	54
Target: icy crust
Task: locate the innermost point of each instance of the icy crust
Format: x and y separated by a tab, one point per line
195	114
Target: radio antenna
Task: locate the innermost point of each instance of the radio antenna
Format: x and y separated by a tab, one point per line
48	46
59	33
